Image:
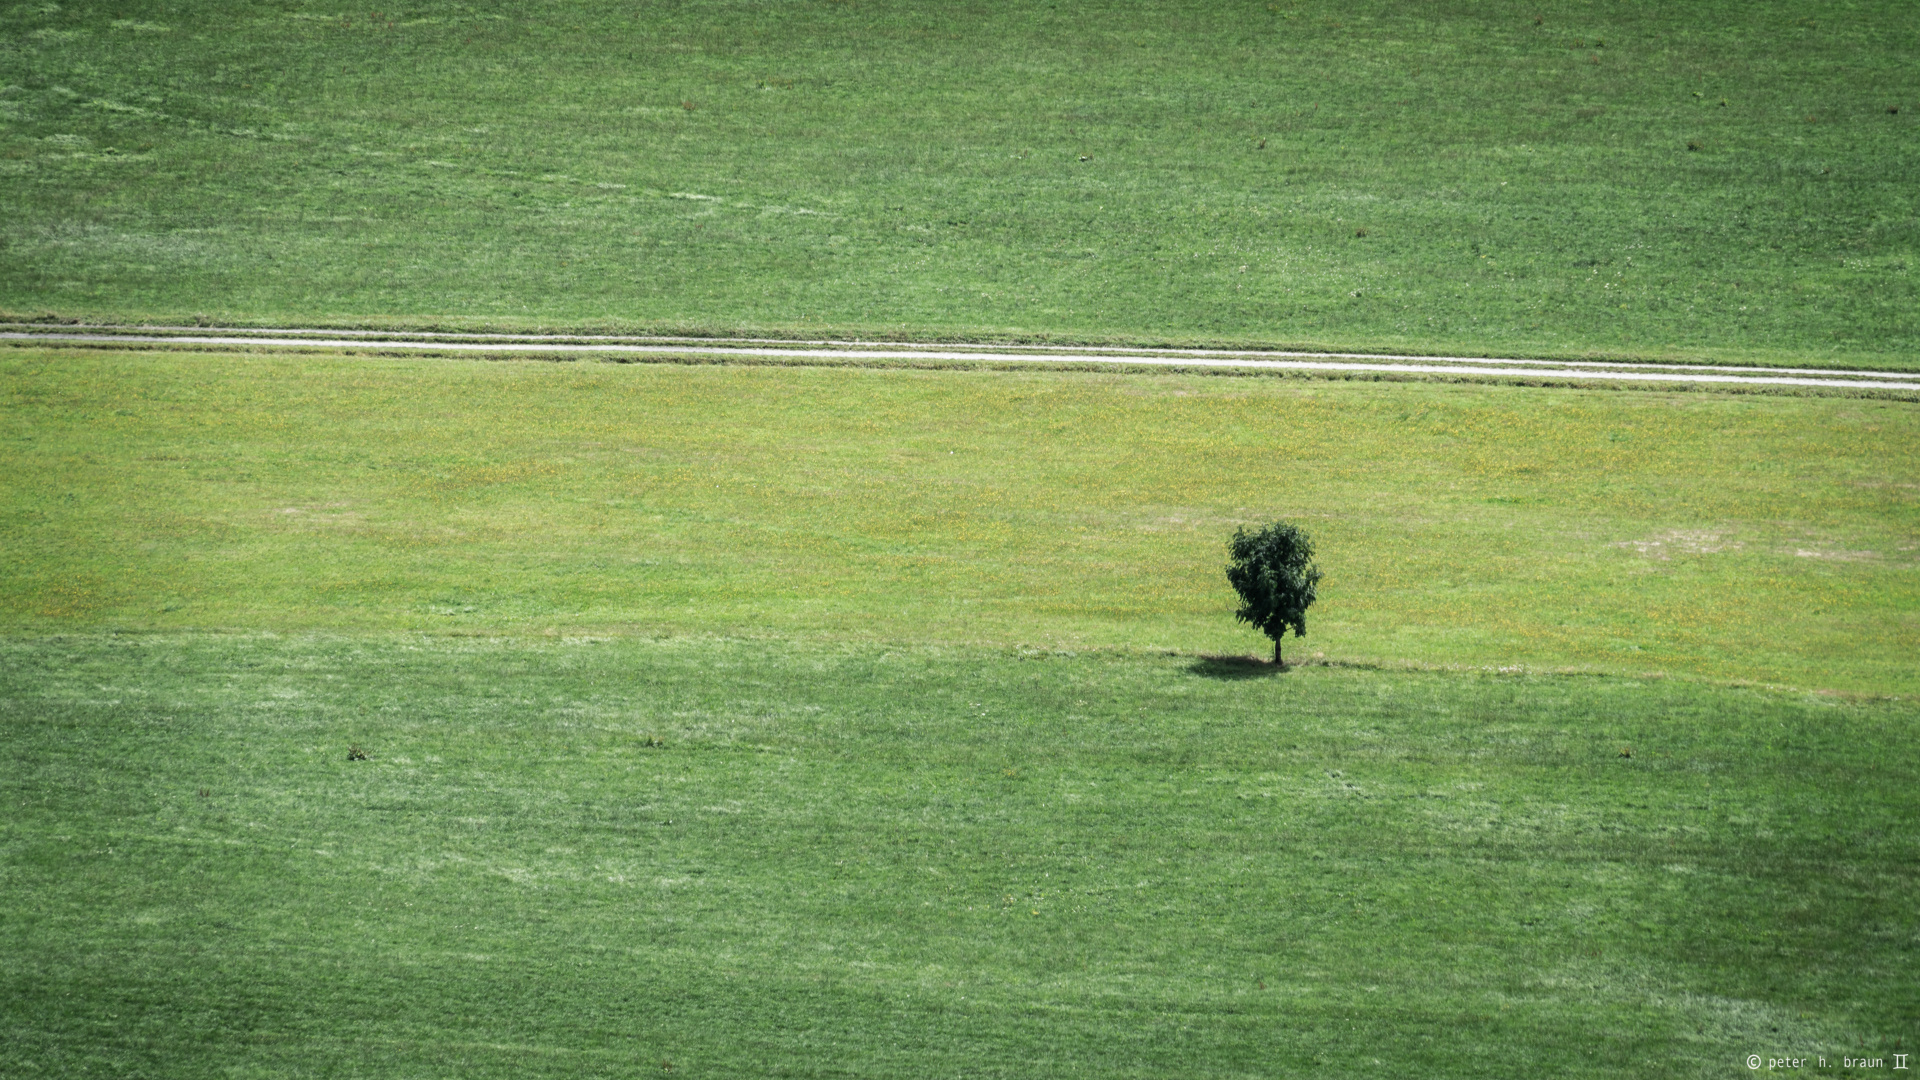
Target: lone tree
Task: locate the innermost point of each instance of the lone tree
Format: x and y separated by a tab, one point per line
1273	572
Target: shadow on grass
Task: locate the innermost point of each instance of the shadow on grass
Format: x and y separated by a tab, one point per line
1235	667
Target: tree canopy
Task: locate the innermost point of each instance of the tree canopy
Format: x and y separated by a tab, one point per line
1273	571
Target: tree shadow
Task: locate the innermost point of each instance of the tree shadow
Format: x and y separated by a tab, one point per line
1234	668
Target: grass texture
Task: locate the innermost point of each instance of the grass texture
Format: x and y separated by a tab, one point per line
1727	180
371	716
711	857
1727	537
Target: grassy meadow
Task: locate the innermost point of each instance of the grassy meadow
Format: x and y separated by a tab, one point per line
390	716
367	716
1725	180
703	856
1771	540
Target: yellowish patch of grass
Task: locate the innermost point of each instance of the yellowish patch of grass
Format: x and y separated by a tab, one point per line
1457	525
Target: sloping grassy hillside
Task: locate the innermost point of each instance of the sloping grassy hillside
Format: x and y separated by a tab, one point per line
1725	179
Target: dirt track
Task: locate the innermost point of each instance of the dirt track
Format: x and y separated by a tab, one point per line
870	352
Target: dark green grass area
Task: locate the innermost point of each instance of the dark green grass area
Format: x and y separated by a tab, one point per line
1670	181
601	857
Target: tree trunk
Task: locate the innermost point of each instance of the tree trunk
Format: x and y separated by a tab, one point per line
1277	662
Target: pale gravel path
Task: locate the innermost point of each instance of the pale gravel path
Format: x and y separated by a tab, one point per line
1573	370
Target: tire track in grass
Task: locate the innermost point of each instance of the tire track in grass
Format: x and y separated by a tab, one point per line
862	351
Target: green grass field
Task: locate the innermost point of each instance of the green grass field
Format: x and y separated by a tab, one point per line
1522	173
600	857
841	722
1773	540
390	717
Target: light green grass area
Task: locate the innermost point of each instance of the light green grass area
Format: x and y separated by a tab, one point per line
605	857
1488	177
1728	537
